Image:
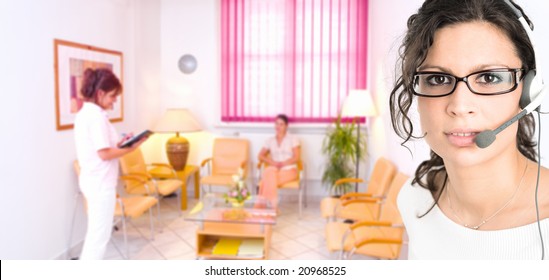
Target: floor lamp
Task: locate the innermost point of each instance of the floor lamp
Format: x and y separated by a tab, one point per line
358	104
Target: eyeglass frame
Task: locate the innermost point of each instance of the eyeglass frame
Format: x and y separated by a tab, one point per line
466	81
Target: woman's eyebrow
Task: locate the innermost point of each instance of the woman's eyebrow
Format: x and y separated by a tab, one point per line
476	68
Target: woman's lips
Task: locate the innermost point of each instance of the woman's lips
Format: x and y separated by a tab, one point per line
461	139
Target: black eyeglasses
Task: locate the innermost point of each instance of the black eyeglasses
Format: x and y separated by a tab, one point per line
486	82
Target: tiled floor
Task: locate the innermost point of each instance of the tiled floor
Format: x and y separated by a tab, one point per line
292	239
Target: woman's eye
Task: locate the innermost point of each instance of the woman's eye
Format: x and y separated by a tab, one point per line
438	80
488	78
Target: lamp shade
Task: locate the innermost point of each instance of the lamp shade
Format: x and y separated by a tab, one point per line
177	120
177	148
359	103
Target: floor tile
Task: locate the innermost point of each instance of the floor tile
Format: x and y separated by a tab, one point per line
175	249
294	237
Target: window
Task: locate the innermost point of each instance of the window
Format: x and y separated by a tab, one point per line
298	57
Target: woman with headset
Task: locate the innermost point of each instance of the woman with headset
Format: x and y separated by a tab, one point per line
466	64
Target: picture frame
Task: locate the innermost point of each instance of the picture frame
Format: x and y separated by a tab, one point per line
70	61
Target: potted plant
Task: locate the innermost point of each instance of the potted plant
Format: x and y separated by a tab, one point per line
340	149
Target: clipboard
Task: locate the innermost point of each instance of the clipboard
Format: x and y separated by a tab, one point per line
136	138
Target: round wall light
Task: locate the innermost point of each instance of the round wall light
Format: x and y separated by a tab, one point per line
187	63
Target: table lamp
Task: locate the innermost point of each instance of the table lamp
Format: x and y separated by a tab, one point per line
358	104
177	148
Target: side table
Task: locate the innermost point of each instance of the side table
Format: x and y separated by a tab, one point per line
183	175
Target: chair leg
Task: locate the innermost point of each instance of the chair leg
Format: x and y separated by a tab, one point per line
158	213
341	254
304	186
125	236
300	201
69	245
202	191
152	224
179	197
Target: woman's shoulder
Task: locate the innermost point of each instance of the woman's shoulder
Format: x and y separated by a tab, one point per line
414	196
89	112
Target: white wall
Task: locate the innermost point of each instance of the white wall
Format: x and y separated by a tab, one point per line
38	183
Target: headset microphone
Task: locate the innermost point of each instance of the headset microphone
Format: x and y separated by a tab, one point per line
532	95
487	137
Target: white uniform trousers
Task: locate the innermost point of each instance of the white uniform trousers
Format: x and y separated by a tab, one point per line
101	204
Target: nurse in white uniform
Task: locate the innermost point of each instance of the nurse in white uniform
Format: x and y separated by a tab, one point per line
97	150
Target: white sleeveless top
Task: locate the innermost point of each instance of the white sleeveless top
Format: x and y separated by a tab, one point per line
435	236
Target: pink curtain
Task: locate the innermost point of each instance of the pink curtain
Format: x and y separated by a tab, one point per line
298	57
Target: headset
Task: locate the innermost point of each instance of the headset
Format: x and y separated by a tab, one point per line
533	89
533	92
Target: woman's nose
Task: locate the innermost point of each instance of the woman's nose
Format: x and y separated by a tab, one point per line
462	101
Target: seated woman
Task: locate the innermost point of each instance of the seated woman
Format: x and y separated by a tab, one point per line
281	154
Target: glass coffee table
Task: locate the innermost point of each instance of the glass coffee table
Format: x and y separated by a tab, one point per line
229	232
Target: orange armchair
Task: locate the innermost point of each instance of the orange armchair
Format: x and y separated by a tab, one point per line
380	238
229	154
138	181
349	207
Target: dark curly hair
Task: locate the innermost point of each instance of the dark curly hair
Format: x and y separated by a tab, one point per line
99	79
433	15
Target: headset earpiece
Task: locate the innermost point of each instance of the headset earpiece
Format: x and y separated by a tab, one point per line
532	91
525	97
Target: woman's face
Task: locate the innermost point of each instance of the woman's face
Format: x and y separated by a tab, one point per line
452	122
107	100
280	127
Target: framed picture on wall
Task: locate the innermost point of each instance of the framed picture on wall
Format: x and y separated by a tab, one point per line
71	59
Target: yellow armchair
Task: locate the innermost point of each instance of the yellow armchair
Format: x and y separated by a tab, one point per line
345	207
380	238
138	181
229	154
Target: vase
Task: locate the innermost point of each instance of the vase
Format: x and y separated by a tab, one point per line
237	204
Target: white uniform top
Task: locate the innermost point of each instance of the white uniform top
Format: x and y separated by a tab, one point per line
435	236
93	132
284	151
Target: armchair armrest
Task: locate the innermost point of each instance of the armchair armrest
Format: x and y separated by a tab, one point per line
348	180
366	241
372	224
367	200
344	181
141	178
355	195
163	171
160	164
259	167
205	161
